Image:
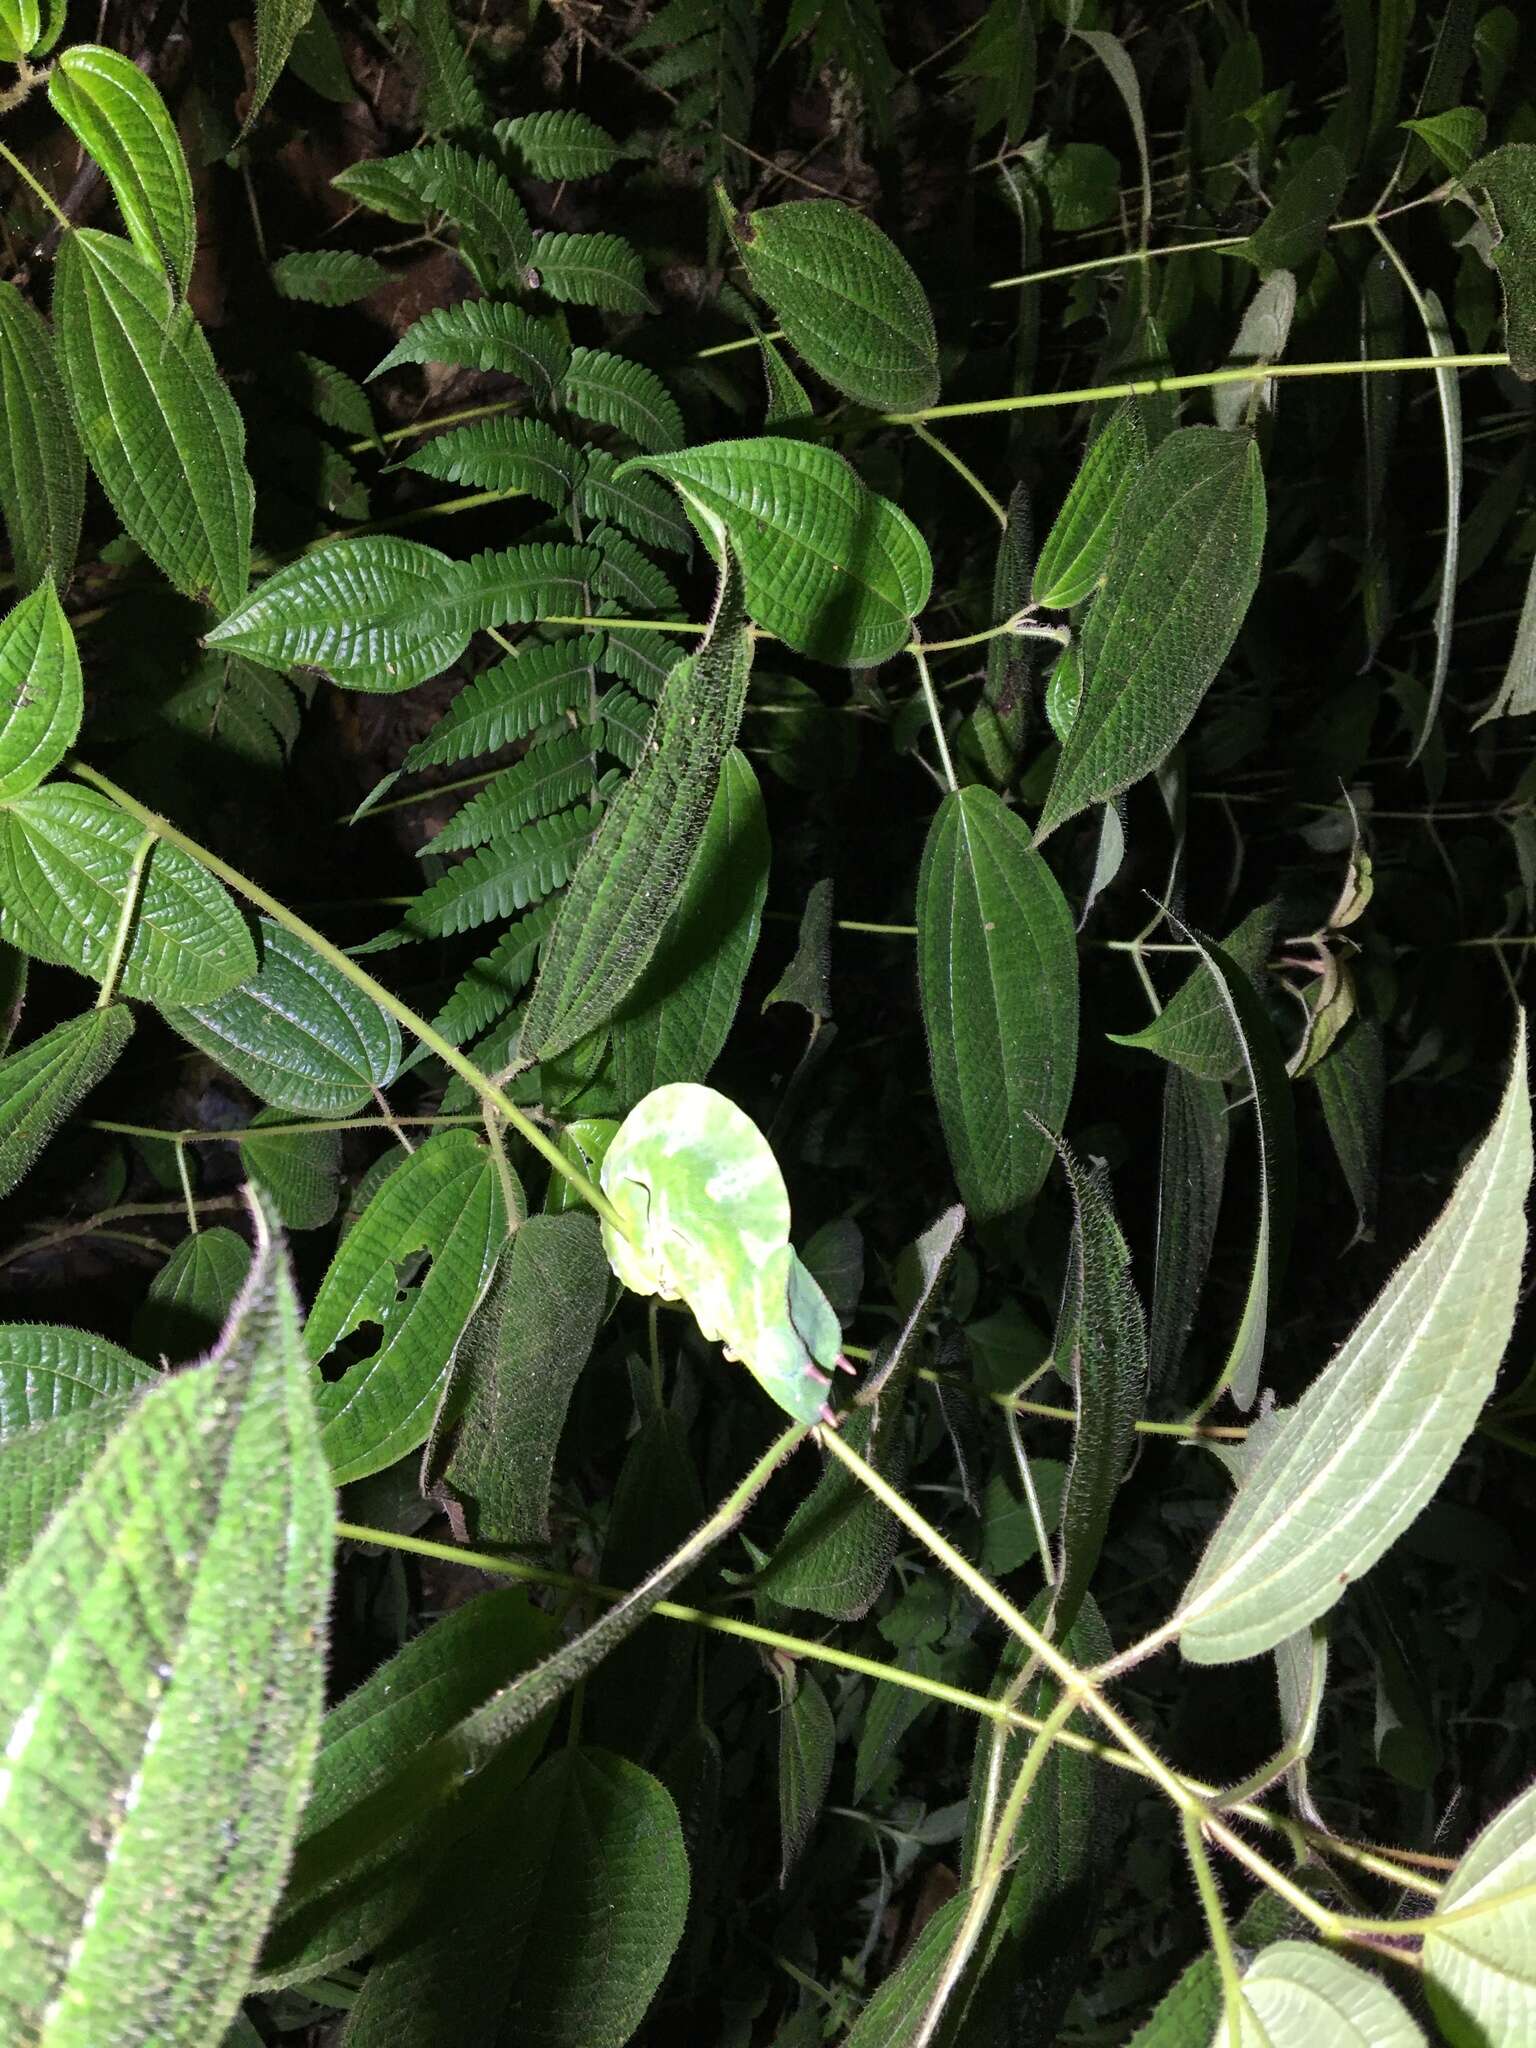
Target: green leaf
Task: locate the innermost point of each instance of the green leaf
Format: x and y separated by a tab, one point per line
445	1200
298	1034
531	688
1362	1451
1442	342
847	299
1101	1340
1453	136
1194	1028
40	1085
161	431
827	565
494	235
505	454
328	277
522	1359
492	985
190	1298
558	143
1508	177
545	779
66	856
486	334
505	876
198	1547
634	872
807	979
581	1899
1078	545
1295	1989
807	1740
675	1020
42	465
379	613
1192	2009
279	24
298	1169
41	699
118	114
1002	58
589	270
1191	1173
835	1553
1183	569
1297	226
997	971
1261	337
410	1701
1477	1969
615	392
21	25
48	1371
1351	1083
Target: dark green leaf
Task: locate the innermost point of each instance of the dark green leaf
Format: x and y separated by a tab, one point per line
117	112
806	1743
1191	1173
41	698
42	1083
1351	1083
997	968
191	1296
1194	1028
1078	545
42	465
1305	202
837	1548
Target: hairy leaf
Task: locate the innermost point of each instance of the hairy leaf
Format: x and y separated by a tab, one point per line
1295	1988
41	697
42	465
66	859
445	1199
120	117
997	969
635	870
297	1169
162	1658
279	24
1194	1029
191	1296
807	1740
827	565
1191	1173
847	299
162	433
1508	177
42	1083
1078	545
1179	580
1477	1968
1368	1443
48	1371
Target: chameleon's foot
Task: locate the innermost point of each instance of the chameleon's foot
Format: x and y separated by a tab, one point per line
822	1379
846	1364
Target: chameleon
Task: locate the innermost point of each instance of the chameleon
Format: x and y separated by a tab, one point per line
706	1221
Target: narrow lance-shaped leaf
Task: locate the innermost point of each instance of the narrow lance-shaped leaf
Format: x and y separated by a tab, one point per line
827	565
66	865
1184	567
42	1083
1078	544
1368	1443
519	1367
997	968
807	1742
446	1200
279	24
1191	1173
1101	1340
161	1653
1194	1028
635	870
675	1020
42	465
41	697
117	112
846	298
1275	1127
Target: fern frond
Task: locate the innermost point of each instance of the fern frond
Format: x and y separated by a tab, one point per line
486	334
450	98
627	721
559	143
505	876
613	391
515	586
489	988
589	270
630	577
328	277
505	454
644	660
708	55
529	689
851	35
636	503
543	781
495	239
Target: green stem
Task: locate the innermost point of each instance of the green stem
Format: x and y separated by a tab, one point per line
447	419
484	1088
964	470
191	1136
934	717
183	1174
53	206
1203	380
1216	1920
631	625
730	348
126	916
999	1712
999	284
